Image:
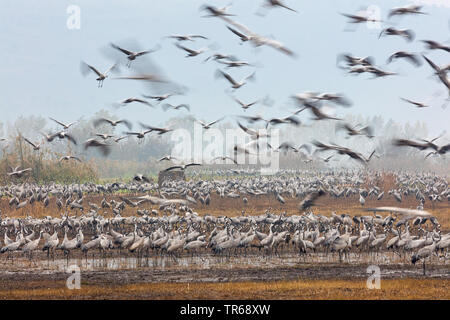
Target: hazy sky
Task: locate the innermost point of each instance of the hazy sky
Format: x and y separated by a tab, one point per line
41	58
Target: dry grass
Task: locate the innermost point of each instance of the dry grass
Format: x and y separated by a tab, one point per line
256	205
298	289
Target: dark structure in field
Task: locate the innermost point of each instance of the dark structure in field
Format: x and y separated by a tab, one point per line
170	176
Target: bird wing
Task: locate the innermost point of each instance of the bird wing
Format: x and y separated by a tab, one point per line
410	143
141	101
99	121
432	64
58	122
286	145
293	120
286	7
345	126
93	143
185	49
410	101
71	138
132	133
166	106
126	123
368	130
320	115
444	148
306	146
240	35
210	124
86	67
228	77
239	101
252	103
111	68
104	148
402	211
143	77
392	12
348	15
174	167
120	138
410	35
310	198
127	201
95	70
354	17
193	164
354	155
430	153
371	155
322	146
188	108
149	128
237	149
247	130
198	36
249	77
51	137
141	53
274	121
34	146
121	49
240	26
234	160
342	101
277	45
151	97
252	119
414	59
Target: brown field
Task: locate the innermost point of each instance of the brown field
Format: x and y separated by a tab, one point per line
277	290
256	205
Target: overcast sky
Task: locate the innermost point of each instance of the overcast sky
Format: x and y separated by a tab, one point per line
41	58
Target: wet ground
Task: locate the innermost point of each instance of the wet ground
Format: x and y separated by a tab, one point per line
122	270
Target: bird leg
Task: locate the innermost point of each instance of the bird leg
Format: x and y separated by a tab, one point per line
423	266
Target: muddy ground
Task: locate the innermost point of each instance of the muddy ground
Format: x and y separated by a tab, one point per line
10	281
115	271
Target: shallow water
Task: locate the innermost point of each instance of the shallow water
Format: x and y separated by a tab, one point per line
203	261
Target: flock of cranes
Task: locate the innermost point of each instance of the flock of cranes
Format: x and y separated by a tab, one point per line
315	102
165	221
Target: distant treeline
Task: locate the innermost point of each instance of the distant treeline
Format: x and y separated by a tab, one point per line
131	156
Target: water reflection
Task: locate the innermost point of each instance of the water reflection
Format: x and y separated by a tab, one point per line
204	261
